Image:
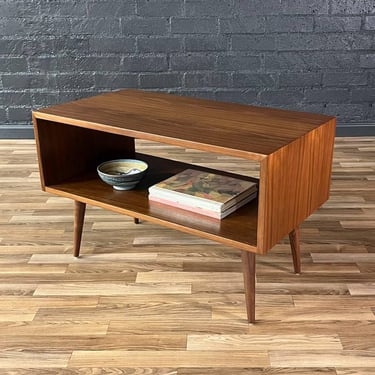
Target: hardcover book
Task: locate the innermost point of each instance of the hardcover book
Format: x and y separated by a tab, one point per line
202	211
202	190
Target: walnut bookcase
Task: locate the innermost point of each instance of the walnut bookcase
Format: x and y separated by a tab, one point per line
294	150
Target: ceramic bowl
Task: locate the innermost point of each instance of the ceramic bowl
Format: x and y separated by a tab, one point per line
122	174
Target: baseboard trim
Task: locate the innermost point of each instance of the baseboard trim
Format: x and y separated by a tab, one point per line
16	132
342	130
358	129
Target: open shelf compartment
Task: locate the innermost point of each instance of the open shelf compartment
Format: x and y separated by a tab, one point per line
239	229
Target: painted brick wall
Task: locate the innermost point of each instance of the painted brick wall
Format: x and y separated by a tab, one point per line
315	55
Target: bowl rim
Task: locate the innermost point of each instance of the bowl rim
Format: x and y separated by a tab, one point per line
121	160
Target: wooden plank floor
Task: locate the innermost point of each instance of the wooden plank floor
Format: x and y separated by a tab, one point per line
143	299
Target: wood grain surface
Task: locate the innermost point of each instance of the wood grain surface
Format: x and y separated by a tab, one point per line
148	300
240	130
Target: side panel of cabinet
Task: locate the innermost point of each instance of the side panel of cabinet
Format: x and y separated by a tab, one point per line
66	151
294	182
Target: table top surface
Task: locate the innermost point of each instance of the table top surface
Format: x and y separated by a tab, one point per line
229	128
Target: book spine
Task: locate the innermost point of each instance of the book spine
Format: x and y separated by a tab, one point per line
198	210
213	214
184	199
178	197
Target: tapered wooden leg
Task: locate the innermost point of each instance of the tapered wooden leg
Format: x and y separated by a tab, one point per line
248	269
296	253
136	220
79	216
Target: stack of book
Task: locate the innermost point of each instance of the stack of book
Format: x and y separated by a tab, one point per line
205	193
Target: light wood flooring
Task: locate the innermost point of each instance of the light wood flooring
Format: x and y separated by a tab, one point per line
145	300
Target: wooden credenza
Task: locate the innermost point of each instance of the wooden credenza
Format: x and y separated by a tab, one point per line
294	151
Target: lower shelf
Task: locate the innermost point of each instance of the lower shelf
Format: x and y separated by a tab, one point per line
238	229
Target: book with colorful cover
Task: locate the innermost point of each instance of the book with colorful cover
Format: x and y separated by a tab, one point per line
204	190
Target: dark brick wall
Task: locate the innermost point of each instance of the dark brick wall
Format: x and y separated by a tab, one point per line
315	55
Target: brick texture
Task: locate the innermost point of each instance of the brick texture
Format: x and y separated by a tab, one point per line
315	55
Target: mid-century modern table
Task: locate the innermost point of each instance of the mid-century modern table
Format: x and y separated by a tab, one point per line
294	151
